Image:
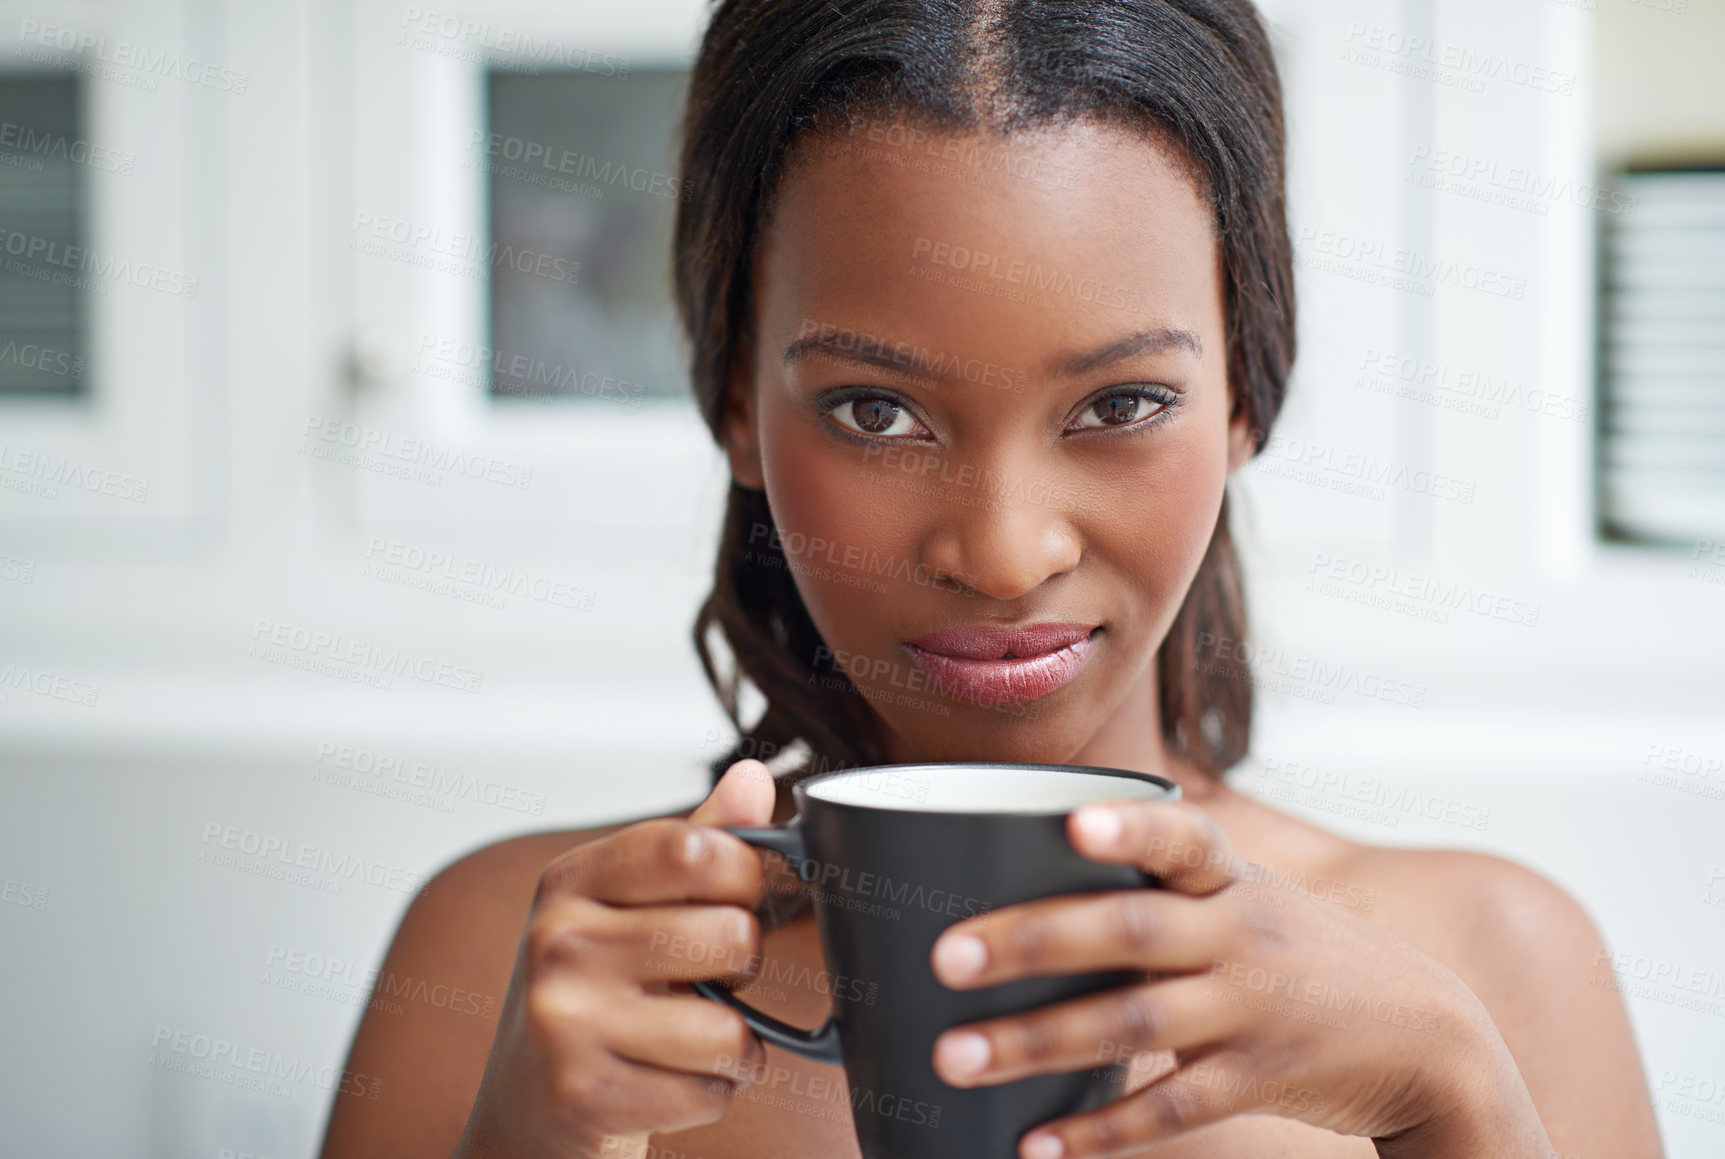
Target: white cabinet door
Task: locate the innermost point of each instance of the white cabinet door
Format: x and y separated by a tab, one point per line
120	464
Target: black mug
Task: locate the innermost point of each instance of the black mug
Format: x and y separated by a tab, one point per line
893	855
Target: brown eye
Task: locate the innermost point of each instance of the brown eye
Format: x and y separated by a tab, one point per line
1122	408
874	415
1117	408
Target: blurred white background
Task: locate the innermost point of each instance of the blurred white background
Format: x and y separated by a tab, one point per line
1445	514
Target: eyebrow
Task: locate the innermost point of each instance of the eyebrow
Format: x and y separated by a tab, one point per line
842	345
1143	341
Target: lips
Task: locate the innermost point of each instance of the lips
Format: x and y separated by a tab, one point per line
992	665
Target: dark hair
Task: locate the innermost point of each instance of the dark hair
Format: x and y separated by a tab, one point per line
1197	76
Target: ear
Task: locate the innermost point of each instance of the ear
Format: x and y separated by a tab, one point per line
739	424
1241	437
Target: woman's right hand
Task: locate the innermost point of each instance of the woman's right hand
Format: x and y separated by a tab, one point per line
599	1041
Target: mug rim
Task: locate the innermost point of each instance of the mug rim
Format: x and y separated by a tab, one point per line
1170	789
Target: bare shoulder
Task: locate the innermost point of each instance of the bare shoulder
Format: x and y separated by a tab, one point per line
1486	912
1536	960
426	1033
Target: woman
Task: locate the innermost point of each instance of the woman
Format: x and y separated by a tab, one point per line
986	303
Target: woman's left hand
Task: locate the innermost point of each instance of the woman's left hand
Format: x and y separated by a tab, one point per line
1271	1001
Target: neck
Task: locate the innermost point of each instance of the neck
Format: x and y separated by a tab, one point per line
1131	738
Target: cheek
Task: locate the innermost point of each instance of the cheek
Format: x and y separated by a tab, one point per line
1163	515
840	528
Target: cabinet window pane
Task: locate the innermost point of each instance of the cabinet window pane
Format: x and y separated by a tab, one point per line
583	195
1664	359
42	198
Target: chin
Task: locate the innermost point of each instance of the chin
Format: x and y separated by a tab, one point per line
979	733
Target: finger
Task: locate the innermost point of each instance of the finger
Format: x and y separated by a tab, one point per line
686	1033
621	1097
1203	1091
689	943
1174	841
646	944
1115	1026
665	860
745	795
1141	929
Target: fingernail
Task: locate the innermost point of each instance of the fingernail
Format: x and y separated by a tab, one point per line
964	1053
960	957
1043	1147
1100	824
694	845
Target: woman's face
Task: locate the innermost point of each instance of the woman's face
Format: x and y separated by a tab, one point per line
987	392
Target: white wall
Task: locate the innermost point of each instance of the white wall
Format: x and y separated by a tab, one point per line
1544	729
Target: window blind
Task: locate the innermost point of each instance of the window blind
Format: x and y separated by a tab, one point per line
1663	351
41	224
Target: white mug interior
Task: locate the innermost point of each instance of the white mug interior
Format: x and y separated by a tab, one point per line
981	788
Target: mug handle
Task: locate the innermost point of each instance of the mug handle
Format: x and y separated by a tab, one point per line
820	1044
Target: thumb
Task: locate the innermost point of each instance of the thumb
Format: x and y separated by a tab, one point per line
745	795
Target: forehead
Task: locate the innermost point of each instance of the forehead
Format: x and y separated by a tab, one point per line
1083	224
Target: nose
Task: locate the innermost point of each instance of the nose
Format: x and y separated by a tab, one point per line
1006	544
